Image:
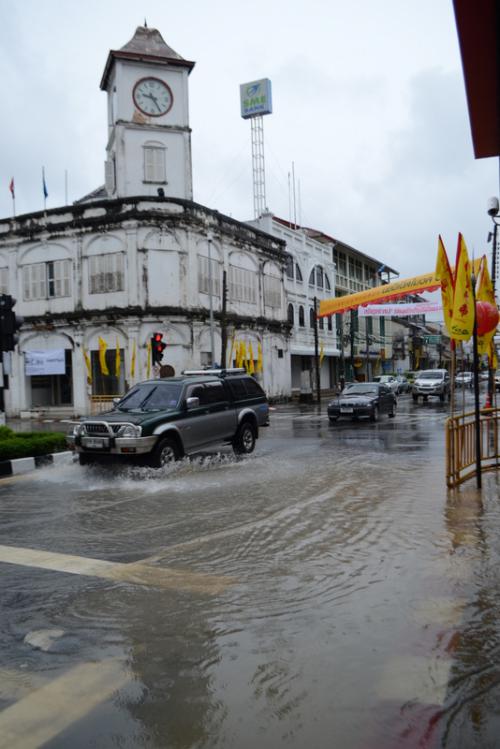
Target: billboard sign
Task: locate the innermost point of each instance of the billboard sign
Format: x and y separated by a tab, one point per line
255	98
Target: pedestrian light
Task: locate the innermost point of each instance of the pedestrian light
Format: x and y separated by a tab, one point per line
157	347
9	323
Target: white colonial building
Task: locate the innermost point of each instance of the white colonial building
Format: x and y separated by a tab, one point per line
137	256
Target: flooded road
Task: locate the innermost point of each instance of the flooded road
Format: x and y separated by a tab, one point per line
327	591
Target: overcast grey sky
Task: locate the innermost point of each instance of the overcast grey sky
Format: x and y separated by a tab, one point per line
369	104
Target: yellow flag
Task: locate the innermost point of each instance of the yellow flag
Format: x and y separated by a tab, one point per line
259	357
89	366
321	354
148	362
251	366
118	359
132	362
485	293
462	321
443	273
243	354
102	356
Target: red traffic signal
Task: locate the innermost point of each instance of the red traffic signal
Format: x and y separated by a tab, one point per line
157	348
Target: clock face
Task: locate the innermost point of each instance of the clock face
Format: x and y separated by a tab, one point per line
153	97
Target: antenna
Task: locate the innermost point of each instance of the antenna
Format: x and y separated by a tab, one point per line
294	201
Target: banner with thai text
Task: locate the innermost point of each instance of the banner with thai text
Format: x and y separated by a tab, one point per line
399	310
44	362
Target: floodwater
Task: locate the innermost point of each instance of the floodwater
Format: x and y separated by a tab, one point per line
327	591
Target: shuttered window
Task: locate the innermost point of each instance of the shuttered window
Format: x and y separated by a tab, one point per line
242	284
4	283
204	276
47	280
154	164
272	291
106	273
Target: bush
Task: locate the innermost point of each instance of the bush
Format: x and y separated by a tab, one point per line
29	444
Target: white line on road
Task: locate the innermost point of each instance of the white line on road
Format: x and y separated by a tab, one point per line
136	573
46	712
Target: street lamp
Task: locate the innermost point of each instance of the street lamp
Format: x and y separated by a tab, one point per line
210	237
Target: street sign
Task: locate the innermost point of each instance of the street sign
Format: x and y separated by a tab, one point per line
432	339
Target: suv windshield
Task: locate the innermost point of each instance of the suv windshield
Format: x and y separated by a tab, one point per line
151	397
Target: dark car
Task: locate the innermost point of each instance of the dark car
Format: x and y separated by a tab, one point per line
159	421
363	399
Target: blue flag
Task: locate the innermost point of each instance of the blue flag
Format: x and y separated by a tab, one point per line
45	191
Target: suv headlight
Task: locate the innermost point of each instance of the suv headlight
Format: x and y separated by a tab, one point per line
78	430
129	430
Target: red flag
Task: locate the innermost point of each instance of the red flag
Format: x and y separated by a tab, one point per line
11	187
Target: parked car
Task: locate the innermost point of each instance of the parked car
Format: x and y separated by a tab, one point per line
464	379
431	382
363	399
389	380
159	421
403	384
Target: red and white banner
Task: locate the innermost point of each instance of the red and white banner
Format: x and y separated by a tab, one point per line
399	310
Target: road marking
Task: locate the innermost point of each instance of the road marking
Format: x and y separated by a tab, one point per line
46	712
137	573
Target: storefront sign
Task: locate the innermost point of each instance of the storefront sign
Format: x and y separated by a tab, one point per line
44	362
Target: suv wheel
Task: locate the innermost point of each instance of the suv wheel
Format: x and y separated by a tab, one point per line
165	452
392	412
375	413
244	442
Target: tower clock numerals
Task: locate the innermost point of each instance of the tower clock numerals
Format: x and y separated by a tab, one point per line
152	97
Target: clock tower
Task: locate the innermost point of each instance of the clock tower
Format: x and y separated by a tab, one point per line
149	138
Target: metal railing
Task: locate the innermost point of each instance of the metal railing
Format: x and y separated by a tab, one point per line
100	403
461	445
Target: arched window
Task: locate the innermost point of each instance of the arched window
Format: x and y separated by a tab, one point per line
289	267
311	317
298	273
290	314
318	279
301	317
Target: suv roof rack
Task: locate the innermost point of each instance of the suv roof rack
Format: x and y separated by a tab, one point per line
219	372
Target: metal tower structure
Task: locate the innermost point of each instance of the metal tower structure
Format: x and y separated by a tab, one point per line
258	166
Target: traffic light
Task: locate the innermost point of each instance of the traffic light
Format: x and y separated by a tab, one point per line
9	323
157	347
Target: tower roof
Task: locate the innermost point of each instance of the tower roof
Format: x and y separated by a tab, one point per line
147	45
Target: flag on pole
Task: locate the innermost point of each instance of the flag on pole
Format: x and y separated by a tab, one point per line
259	357
132	362
251	365
148	362
88	365
444	274
102	356
44	184
485	293
321	354
462	321
118	359
12	189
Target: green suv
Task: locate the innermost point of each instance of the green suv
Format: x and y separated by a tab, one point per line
159	421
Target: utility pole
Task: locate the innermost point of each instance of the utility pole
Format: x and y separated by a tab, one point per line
223	322
316	352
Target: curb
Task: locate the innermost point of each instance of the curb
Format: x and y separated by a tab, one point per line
25	465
